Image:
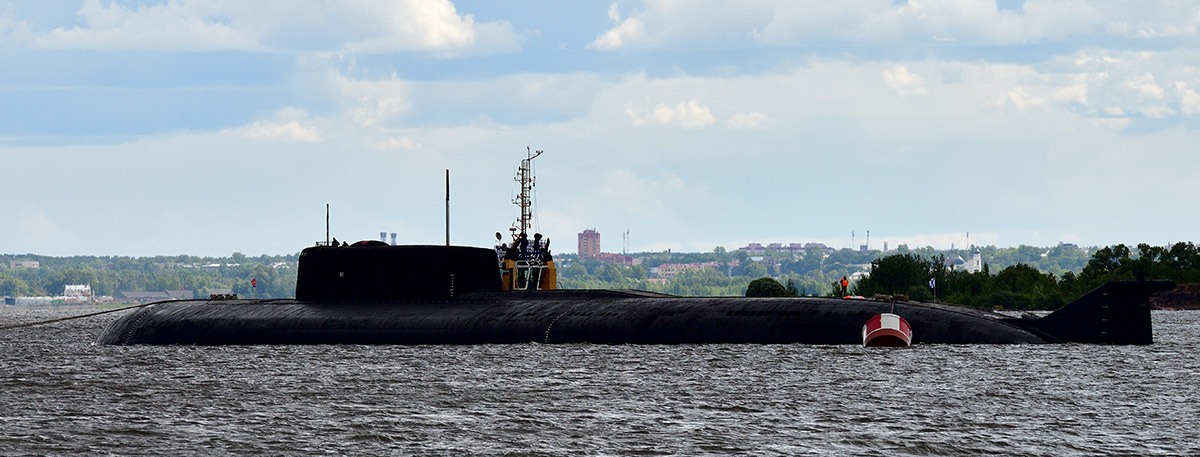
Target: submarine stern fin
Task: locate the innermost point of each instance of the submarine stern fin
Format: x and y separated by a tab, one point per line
1117	312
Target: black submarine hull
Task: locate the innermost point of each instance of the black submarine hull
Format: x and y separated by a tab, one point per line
1110	315
372	294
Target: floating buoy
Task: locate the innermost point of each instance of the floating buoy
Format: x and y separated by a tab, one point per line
886	330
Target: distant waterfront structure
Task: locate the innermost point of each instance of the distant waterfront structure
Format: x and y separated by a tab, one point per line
589	244
78	291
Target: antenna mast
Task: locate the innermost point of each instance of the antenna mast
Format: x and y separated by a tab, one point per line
524	201
447	207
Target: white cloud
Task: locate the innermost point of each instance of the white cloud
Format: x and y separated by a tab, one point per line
667	23
1127	82
1156	112
1145	85
688	115
900	80
290	131
628	31
359	26
1152	20
433	25
836	115
1189	99
1020	99
372	102
12	31
405	144
1111	124
748	121
173	26
614	14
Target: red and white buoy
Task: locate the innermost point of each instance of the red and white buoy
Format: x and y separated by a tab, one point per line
886	330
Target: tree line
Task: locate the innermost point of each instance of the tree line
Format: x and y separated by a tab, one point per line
1042	278
275	276
813	273
1022	286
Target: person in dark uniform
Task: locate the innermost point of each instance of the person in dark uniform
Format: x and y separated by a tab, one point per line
523	245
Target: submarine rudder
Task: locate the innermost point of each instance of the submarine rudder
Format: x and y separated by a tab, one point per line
1117	312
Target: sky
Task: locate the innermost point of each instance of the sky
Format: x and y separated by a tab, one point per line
218	126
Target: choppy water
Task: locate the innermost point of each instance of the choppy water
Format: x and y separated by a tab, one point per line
62	395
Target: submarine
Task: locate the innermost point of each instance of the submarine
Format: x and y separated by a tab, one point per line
378	294
374	293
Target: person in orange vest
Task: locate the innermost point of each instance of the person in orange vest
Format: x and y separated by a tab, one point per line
845	284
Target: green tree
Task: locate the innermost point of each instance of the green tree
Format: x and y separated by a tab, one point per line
754	269
899	273
765	287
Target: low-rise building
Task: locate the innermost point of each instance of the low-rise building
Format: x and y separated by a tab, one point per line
670	270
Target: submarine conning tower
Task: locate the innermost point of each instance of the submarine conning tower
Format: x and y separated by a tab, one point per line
377	272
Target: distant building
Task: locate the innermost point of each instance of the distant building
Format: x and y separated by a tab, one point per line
954	264
83	291
795	249
24	264
589	244
754	249
975	264
670	270
617	258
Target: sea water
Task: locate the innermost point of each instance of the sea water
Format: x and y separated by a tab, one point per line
60	394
